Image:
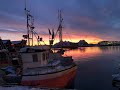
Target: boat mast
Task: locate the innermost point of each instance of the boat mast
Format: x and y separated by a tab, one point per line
30	26
60	25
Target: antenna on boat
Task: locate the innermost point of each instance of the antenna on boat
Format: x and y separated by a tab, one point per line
60	25
25	5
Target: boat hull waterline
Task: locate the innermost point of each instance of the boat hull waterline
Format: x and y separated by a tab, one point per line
52	80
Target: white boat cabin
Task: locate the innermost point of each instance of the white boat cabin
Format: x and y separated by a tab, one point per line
34	57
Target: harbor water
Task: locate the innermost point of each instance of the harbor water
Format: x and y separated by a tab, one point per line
96	65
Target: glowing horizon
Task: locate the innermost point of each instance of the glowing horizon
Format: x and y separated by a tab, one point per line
74	39
81	21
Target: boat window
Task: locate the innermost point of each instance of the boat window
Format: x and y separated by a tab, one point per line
43	56
35	58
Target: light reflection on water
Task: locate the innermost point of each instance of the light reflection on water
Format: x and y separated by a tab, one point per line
83	52
89	52
95	67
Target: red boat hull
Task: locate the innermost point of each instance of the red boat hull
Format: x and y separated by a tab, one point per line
56	80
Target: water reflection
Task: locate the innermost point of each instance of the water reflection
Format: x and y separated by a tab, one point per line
87	52
96	65
110	49
83	52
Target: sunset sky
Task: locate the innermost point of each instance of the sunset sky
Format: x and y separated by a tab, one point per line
92	20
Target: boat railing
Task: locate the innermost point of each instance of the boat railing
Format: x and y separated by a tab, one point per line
44	70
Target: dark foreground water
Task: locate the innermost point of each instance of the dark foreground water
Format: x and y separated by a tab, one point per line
95	67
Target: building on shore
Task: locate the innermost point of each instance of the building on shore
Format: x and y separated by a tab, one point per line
109	43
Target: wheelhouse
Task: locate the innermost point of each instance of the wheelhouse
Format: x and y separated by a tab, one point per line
32	57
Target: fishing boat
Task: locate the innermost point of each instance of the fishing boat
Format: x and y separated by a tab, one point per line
42	67
45	69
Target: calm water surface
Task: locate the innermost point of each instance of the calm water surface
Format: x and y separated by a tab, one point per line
95	67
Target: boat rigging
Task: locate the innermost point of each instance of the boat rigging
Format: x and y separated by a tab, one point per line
59	30
30	29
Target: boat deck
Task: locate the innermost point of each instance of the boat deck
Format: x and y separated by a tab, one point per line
45	70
